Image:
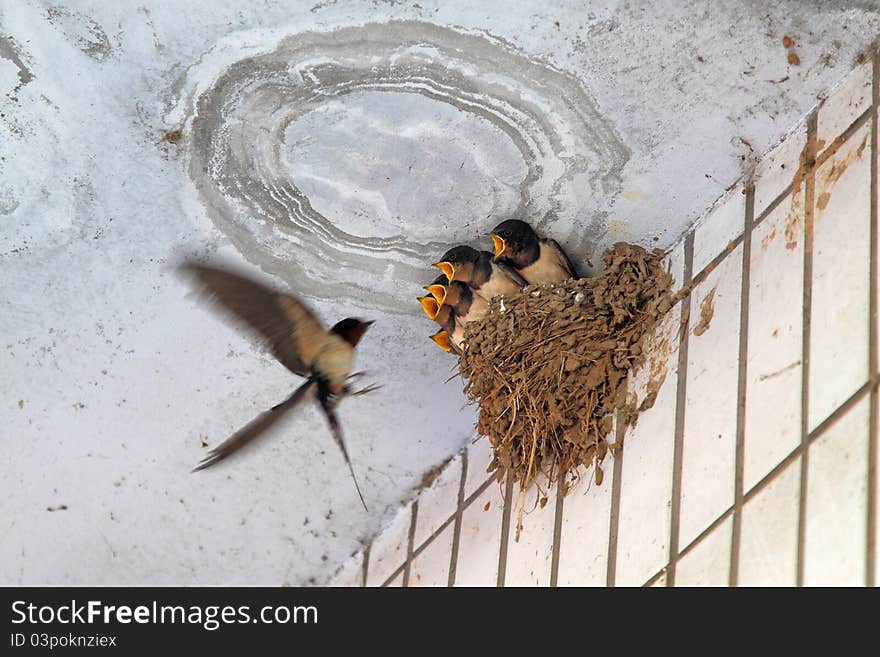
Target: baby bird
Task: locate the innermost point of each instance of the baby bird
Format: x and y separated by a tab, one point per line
476	268
537	260
449	323
441	337
466	304
430	305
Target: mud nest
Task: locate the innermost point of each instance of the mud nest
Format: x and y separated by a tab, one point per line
549	366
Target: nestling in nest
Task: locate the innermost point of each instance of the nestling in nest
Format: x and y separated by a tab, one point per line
548	365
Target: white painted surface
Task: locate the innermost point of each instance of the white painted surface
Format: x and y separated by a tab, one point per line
120	375
709	440
774	368
841	272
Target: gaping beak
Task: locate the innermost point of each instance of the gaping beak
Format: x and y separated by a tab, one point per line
438	292
430	306
447	269
442	340
500	246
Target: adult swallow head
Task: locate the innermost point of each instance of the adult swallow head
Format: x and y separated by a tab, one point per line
537	260
477	269
296	338
351	329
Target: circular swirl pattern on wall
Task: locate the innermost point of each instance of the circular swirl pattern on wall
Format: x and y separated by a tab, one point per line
346	161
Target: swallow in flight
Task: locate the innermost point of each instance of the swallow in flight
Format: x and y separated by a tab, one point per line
296	339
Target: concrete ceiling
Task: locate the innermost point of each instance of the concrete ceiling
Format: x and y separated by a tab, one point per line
339	147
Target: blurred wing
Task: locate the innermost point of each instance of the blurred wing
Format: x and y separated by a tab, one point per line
283	322
561	257
330	413
254	429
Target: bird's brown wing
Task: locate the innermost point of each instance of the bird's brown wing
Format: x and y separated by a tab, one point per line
281	321
563	259
255	428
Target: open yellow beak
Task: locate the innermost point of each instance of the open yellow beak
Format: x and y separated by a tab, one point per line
438	292
430	306
500	246
442	340
447	269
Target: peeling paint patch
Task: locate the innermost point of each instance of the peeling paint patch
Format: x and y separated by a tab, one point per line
85	32
10	52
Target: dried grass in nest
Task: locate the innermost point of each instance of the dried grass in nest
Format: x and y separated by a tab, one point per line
549	365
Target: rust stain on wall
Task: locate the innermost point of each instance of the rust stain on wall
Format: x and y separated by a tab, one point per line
806	163
707	311
828	176
768	238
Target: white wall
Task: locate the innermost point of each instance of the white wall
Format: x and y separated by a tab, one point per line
115	383
757	465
